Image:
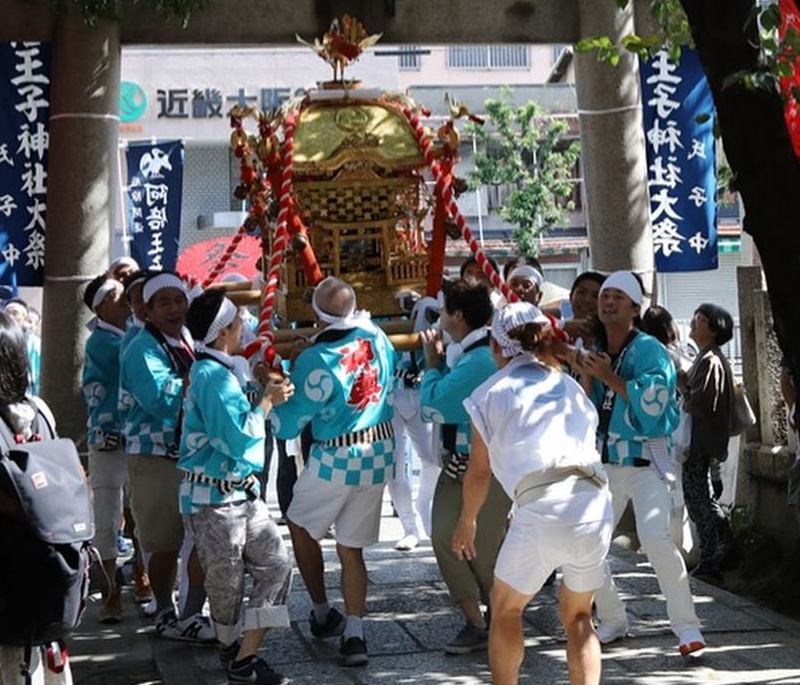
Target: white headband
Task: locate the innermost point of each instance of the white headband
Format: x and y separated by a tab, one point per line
513	316
123	261
21	308
156	283
224	317
141	278
527	271
627	283
108	286
324	316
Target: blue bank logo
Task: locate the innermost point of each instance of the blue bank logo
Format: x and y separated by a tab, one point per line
132	102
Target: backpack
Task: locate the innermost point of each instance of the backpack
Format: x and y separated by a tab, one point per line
46	528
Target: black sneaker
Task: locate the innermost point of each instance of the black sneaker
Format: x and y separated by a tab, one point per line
333	626
227	653
353	651
469	639
254	670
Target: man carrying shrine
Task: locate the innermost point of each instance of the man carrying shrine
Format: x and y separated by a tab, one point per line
342	386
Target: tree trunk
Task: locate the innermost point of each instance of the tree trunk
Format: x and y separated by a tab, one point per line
82	180
759	150
613	149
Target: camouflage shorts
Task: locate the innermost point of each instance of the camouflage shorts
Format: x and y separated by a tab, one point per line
234	540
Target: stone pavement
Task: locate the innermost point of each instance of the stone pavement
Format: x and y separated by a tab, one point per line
411	618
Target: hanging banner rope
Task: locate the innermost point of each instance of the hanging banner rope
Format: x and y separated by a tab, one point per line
449	201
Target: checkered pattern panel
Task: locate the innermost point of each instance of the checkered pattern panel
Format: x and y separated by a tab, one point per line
371	464
142	439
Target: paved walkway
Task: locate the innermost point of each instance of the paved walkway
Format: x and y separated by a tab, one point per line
411	618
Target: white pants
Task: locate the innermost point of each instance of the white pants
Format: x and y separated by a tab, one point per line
651	506
408	422
108	471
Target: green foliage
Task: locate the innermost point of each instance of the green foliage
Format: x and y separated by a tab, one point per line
673	34
97	10
606	50
520	145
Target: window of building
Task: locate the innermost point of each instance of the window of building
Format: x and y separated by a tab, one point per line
409	58
488	57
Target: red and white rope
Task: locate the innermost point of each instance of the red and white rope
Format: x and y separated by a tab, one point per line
450	204
219	267
265	343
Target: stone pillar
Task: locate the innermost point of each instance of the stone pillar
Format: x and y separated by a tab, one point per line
750	284
82	180
613	147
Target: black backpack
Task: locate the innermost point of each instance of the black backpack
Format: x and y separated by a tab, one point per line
46	528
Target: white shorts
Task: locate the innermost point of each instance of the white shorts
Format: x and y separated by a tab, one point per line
355	510
533	549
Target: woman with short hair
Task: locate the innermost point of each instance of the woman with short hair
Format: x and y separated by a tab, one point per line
706	392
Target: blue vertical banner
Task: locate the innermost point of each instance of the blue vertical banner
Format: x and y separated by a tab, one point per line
153	201
24	139
681	161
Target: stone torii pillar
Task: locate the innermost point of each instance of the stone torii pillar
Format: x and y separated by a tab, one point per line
613	147
81	182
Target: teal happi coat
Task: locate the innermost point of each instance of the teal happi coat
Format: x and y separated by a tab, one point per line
151	393
222	435
343	383
651	410
101	386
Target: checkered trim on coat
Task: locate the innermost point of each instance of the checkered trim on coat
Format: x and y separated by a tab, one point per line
364	464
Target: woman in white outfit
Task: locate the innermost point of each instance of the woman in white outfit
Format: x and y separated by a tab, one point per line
534	429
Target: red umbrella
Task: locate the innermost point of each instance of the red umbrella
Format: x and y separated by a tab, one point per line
199	259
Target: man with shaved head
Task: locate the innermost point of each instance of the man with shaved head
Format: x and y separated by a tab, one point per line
342	387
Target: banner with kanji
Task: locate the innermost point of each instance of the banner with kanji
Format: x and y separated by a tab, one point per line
681	162
153	201
24	139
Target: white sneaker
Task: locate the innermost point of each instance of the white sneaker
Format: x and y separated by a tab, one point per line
167	625
407	543
610	632
196	628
